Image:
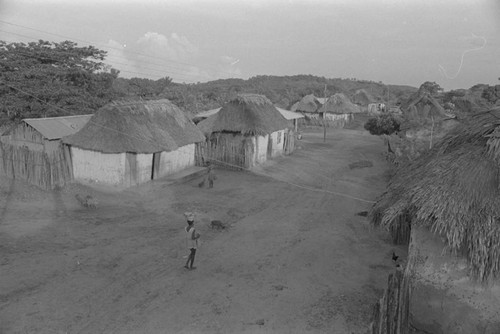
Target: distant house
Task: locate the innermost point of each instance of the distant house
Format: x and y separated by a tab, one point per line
32	150
376	108
132	142
362	97
309	106
245	132
339	110
291	116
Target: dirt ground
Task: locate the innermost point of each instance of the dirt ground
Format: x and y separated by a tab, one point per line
295	258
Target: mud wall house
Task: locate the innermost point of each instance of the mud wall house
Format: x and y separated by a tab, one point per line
339	110
32	150
446	205
131	142
246	131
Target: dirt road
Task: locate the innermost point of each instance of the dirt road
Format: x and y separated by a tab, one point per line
296	257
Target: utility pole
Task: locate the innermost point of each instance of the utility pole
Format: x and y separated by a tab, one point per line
324	121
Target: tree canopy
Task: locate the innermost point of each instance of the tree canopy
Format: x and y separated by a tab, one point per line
50	79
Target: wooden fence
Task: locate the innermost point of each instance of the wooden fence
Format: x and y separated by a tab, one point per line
225	150
39	168
391	313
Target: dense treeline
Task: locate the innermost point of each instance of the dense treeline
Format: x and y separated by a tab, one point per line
43	79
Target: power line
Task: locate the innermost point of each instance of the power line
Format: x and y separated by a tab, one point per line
68	53
126	71
212	159
107	46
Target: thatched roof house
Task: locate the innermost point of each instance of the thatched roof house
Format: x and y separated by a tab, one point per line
136	126
448	201
249	114
338	110
246	131
362	97
129	142
454	191
339	104
309	104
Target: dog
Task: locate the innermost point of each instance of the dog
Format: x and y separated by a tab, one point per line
217	225
88	201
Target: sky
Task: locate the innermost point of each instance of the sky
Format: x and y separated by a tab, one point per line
455	43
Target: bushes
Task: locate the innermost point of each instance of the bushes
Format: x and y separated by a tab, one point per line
385	124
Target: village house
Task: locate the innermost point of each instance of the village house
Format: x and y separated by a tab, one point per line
246	131
446	206
131	142
32	150
339	110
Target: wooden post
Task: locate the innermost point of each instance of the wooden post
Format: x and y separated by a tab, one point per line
324	122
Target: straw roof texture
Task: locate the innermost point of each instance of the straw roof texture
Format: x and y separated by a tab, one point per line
308	103
362	97
249	114
206	125
339	104
454	191
138	127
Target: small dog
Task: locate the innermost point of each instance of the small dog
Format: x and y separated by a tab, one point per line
88	201
217	224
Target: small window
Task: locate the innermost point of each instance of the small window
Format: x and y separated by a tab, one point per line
279	138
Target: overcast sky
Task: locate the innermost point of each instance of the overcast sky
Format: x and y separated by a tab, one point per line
455	43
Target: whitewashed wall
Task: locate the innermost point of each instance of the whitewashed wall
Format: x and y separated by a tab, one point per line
260	152
177	160
144	167
93	166
337	117
314	115
278	140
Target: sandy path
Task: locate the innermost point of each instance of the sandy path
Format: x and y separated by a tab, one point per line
293	261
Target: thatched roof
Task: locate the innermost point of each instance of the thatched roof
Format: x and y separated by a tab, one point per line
206	125
454	191
362	97
339	104
136	126
308	103
249	114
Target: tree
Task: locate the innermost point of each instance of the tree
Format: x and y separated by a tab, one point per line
431	88
385	124
44	78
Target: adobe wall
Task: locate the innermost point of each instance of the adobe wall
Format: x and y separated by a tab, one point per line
442	297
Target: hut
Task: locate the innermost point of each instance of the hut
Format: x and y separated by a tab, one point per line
362	98
32	150
291	116
446	204
246	131
309	106
339	110
131	142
